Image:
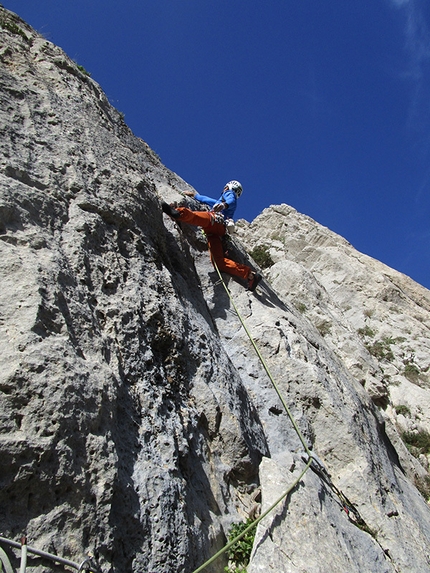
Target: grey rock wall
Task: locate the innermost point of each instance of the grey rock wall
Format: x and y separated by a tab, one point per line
311	531
126	431
375	319
136	421
349	301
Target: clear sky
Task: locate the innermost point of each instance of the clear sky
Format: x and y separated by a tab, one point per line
320	104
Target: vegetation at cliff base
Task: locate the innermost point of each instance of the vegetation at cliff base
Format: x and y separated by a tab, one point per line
240	553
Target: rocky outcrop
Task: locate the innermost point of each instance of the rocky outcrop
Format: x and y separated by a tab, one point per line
125	427
375	319
137	421
353	305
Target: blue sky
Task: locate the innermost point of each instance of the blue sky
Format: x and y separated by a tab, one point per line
320	104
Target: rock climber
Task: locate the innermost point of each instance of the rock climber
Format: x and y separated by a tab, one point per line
213	223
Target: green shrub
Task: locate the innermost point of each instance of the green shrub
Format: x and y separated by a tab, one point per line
324	327
411	371
403	410
261	256
240	553
423	486
366	331
12	27
83	70
417	442
381	350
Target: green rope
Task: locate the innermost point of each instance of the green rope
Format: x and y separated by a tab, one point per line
264	363
256	522
303	441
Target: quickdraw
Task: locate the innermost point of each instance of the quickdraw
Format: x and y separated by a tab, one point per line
348	507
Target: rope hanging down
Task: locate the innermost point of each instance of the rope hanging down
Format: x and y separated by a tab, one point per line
256	522
265	366
295	426
308	456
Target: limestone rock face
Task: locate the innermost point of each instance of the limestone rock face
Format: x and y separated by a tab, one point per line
375	319
126	430
373	322
137	422
346	430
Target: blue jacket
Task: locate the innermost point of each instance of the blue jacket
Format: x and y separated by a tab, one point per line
228	197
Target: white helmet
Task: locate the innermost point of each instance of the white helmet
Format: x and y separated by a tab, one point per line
234	186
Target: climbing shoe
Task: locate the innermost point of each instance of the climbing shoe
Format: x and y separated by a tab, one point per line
253	281
169	210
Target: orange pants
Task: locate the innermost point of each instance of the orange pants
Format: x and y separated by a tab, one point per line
214	231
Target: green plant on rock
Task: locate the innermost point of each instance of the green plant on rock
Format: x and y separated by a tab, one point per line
83	70
261	256
11	26
240	553
411	371
381	350
366	331
324	327
423	486
403	410
417	442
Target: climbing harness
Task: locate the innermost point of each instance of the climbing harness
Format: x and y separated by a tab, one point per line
216	218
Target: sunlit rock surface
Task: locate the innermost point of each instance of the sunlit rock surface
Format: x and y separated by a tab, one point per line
137	422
